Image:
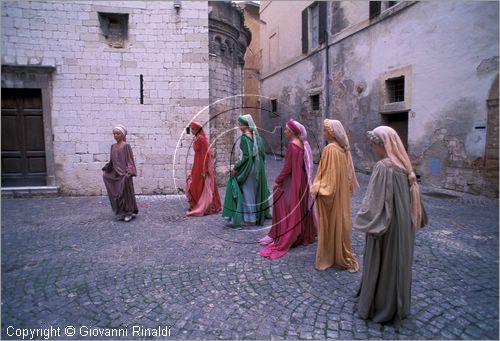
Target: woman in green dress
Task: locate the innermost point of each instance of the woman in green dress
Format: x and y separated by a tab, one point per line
247	194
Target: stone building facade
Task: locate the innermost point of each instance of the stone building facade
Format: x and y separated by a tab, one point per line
72	70
428	69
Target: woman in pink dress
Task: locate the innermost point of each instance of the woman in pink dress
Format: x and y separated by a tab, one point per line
293	214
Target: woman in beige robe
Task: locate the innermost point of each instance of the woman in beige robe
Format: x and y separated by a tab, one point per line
334	184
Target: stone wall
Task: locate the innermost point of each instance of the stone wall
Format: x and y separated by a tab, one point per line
95	86
293	89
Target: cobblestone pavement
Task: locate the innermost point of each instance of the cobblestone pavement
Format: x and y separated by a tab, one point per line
66	262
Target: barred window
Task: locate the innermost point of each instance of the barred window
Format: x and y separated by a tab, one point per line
395	89
315	102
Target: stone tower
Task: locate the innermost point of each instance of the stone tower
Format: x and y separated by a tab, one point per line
228	41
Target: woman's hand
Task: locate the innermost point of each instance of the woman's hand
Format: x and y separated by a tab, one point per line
234	171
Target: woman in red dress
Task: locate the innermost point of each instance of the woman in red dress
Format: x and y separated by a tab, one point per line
293	214
201	187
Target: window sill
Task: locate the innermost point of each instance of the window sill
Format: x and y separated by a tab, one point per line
314	50
388	108
390	11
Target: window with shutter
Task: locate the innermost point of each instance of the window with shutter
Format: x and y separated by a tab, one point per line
305	30
314	21
322	21
314	25
375	8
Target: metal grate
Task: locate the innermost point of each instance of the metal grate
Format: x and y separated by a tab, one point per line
395	89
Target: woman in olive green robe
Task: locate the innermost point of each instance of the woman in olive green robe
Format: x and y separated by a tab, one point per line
390	214
247	193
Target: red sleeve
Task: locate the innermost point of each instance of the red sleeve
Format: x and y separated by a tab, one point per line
205	150
196	145
287	166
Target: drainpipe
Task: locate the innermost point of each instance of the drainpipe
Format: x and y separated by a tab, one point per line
327	113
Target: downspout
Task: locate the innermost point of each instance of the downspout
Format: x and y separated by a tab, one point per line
326	113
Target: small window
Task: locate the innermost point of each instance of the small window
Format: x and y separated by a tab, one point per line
315	102
395	89
114	27
274	106
391	3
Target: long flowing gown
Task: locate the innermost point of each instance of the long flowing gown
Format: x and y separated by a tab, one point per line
334	211
201	191
385	290
293	222
247	193
117	177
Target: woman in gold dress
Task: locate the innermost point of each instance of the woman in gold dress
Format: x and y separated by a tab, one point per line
334	184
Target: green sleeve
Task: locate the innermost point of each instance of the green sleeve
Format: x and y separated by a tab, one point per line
244	165
262	148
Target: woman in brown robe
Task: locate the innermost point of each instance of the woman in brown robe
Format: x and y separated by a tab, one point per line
117	176
390	214
334	183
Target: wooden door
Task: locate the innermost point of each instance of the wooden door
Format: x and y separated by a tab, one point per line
23	143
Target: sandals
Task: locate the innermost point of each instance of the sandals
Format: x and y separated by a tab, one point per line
266	240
